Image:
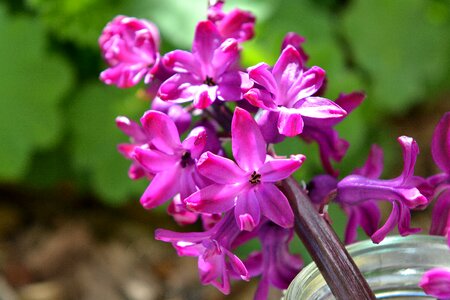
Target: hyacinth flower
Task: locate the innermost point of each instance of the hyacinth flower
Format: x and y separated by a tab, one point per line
236	24
130	47
274	263
172	162
400	191
286	90
295	40
436	283
206	74
364	214
213	249
249	184
331	146
440	150
138	137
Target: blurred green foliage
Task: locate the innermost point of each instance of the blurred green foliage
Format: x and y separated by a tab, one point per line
57	119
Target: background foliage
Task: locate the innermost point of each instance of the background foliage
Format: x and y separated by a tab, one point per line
57	119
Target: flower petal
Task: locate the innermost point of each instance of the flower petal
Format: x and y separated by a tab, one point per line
180	61
350	101
220	169
290	121
320	111
262	76
216	198
440	222
206	40
288	68
274	205
410	150
260	98
247	211
229	87
195	142
373	165
155	161
204	96
131	128
248	145
278	169
162	188
307	84
161	131
440	147
179	88
436	283
224	56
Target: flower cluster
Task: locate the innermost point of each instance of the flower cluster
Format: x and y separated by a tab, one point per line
206	96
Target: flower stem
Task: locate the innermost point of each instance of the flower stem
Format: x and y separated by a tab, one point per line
337	267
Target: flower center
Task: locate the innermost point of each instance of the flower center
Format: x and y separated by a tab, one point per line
186	159
209	81
255	178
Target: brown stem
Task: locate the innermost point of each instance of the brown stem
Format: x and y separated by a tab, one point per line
337	267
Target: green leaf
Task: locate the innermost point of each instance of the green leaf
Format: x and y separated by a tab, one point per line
95	139
402	46
32	86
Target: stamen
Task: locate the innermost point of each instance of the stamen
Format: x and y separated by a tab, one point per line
255	178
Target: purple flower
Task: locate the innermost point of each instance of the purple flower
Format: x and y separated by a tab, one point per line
236	24
440	150
212	248
401	191
331	146
138	137
172	162
177	113
249	184
286	90
436	283
206	74
295	40
365	214
274	263
130	47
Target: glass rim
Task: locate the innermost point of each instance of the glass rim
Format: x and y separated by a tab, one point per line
311	271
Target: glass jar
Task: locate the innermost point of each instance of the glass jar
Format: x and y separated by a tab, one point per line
392	268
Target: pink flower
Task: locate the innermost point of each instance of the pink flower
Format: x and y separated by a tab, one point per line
172	162
130	47
212	247
436	283
286	90
206	74
249	184
237	24
138	137
401	191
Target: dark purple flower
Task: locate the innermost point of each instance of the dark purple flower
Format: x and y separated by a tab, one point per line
130	47
286	90
249	184
436	283
440	148
212	248
206	74
274	263
172	162
400	191
236	24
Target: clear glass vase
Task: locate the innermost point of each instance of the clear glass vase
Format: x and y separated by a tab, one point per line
392	268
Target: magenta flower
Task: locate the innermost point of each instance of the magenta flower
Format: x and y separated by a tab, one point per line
331	146
236	24
212	247
138	137
401	191
180	116
130	47
440	150
274	263
172	162
249	184
436	283
206	74
286	90
295	40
